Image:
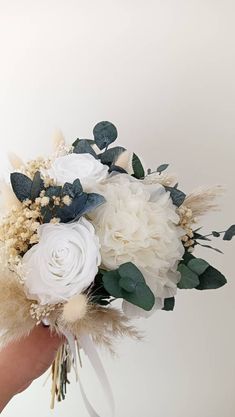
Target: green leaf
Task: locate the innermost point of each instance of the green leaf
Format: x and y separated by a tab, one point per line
111	283
68	190
21	186
127	284
72	190
162	168
177	196
104	134
229	233
211	247
169	304
46	214
37	186
211	279
142	297
188	279
84	146
215	234
198	265
137	167
115	168
54	191
198	236
110	156
90	141
93	201
187	257
77	187
129	270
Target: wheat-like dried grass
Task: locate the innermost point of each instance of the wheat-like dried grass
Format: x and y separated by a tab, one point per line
104	325
15	320
202	200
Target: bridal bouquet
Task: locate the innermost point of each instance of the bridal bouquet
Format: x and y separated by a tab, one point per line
88	226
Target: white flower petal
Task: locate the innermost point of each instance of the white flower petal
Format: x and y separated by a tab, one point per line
139	224
64	262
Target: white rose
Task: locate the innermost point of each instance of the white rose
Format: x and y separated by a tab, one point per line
139	224
64	262
83	166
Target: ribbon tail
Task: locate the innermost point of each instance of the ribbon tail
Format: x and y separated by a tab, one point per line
87	345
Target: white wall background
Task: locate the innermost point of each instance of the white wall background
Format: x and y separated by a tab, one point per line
163	72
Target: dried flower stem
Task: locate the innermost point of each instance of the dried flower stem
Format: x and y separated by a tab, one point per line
55	372
60	369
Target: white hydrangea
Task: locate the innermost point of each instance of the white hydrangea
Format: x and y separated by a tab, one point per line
139	223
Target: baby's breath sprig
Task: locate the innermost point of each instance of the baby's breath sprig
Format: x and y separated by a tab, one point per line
42	312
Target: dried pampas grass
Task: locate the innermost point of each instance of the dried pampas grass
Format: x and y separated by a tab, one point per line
15	320
58	140
7	197
15	161
202	200
104	325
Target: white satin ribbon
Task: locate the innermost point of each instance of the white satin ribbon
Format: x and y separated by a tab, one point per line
89	349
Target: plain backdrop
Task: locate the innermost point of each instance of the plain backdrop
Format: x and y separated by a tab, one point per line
163	72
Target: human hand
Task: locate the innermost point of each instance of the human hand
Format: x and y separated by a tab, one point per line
23	361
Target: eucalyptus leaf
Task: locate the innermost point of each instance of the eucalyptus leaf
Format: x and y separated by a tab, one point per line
46	214
104	134
211	279
115	168
69	213
37	186
129	270
111	283
137	167
92	202
68	189
177	196
229	233
21	186
77	187
142	297
90	141
198	236
110	156
215	234
169	304
72	190
83	146
198	265
127	284
211	247
187	257
189	279
54	191
162	168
